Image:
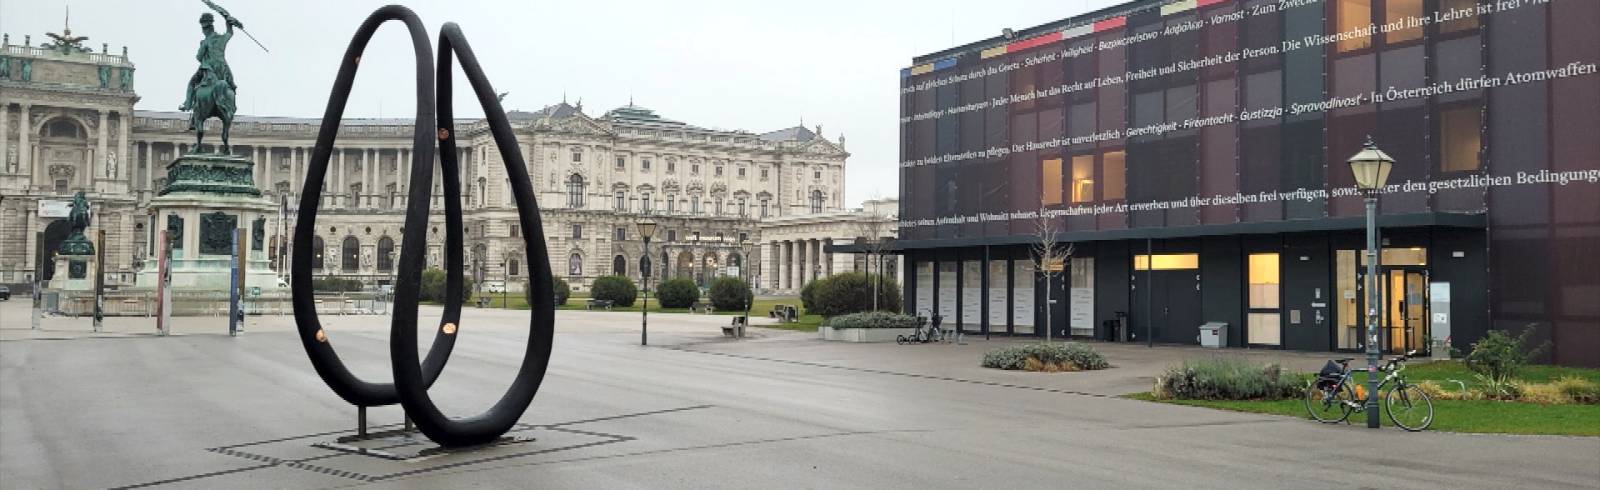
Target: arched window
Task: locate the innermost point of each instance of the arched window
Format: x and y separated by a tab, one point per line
816	201
734	260
575	265
514	267
316	252
350	254
62	128
575	191
619	266
385	254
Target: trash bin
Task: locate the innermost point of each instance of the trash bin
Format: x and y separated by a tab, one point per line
1214	335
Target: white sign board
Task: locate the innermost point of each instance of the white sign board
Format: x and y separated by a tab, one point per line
54	208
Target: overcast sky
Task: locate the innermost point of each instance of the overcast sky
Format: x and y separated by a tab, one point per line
738	64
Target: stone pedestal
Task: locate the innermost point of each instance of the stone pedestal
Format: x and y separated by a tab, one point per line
208	196
74	273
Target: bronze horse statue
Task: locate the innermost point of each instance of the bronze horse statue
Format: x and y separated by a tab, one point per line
212	98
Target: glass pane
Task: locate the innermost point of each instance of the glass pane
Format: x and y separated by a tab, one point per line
1263	328
1114	174
1081	307
1264	281
1404	12
1460	139
1461	13
1082	178
1348	314
1167	262
1050	182
1352	15
924	304
1022	296
997	295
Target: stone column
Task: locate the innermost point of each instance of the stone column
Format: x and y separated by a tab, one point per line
100	156
28	228
264	160
5	136
297	176
338	181
368	170
125	161
25	149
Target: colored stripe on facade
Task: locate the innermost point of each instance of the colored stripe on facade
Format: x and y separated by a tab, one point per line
1178	6
944	63
1208	3
1111	23
922	69
1079	31
1033	42
992	52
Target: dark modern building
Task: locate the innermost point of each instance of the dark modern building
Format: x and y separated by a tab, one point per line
1193	156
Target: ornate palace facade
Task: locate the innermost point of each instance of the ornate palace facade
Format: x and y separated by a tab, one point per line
68	124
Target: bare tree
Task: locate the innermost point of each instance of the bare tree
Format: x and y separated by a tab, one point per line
1049	258
874	236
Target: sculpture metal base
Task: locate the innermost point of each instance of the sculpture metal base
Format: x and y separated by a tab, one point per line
211	174
406	445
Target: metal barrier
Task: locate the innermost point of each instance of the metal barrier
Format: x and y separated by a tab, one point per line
208	303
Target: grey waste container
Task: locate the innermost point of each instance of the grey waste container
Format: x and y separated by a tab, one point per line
1214	335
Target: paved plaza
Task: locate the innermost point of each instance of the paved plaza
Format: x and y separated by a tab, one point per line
200	409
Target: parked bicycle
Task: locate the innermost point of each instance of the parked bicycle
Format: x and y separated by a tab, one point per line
922	336
1333	396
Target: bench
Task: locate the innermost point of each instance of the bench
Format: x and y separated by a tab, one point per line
698	307
598	303
735	328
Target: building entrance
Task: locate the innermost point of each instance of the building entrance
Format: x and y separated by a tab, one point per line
1403	322
1166	299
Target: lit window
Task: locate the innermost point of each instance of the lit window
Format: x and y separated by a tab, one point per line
1167	262
1461	22
1353	15
1460	139
1050	182
1082	178
1114	169
1397	11
1264	321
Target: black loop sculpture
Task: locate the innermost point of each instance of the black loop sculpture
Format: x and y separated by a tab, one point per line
413	377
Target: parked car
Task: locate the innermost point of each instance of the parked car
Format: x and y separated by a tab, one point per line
5	293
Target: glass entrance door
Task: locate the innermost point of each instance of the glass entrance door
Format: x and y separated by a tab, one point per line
1405	321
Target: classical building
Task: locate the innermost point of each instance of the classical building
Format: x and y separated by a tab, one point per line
68	124
799	249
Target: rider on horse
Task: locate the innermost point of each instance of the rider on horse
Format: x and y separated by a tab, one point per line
211	89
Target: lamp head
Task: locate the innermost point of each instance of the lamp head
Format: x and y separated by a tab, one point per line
647	229
1371	167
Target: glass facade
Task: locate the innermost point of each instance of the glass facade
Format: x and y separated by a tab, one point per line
1235	117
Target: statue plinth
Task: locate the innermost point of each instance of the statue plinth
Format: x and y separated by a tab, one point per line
74	272
211	174
207	196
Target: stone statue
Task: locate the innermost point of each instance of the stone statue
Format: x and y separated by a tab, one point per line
111	164
27	70
175	231
77	221
258	232
127	78
105	76
5	67
211	89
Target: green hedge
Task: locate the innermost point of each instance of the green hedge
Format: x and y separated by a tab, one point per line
559	288
873	319
1227	378
1066	356
432	287
730	294
620	290
335	284
850	292
678	293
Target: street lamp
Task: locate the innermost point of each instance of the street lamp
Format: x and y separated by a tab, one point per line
647	229
744	265
1371	168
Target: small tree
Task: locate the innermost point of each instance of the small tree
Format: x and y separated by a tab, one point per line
1049	258
1498	356
560	288
875	237
677	293
619	290
730	294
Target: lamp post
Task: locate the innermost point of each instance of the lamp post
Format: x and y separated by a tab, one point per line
647	229
744	268
1371	168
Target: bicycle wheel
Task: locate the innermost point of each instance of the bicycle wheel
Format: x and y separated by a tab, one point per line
900	339
1329	406
1409	408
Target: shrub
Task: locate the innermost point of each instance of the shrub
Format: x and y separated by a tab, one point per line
678	293
1497	357
730	294
1052	357
559	288
620	290
1227	379
808	296
850	292
873	319
1440	392
433	286
335	284
1579	390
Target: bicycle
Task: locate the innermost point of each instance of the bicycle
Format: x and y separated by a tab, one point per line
1332	397
919	336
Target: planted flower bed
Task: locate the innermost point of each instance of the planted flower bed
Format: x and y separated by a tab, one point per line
1050	358
872	326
